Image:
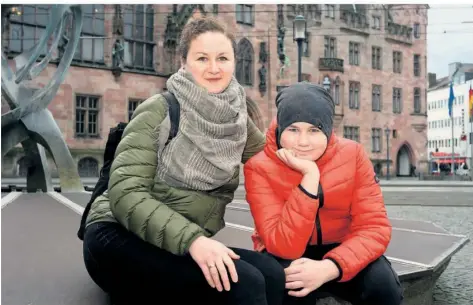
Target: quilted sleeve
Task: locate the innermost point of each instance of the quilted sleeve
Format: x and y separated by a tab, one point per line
132	177
285	227
370	228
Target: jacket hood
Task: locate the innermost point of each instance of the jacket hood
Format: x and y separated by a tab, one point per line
271	146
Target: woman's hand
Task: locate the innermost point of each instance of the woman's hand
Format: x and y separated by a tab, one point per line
212	256
303	166
309	275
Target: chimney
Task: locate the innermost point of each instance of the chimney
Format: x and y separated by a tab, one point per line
432	79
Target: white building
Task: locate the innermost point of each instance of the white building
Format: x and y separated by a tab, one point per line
439	132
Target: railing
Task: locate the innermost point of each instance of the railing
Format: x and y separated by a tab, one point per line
355	22
399	33
330	64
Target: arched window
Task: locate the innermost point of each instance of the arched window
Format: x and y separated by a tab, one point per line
244	65
336	91
22	167
88	167
376	98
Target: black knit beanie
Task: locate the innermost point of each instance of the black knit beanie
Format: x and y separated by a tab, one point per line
305	102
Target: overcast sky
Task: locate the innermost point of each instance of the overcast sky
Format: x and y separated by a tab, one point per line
454	45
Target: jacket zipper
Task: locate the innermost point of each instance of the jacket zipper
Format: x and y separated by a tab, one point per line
317	218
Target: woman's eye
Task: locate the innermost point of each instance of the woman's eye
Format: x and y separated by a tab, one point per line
223	58
201	59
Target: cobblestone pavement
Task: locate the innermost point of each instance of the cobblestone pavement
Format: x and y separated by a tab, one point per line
452	287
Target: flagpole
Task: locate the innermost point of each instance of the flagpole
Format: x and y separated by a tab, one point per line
470	138
451	99
453	146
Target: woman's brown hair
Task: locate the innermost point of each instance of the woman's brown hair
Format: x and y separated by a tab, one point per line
200	26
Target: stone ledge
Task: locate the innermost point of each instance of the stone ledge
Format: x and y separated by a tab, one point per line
417	290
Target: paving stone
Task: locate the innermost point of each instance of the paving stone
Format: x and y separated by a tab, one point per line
454	285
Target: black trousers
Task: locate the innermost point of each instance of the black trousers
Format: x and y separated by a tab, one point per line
377	284
135	272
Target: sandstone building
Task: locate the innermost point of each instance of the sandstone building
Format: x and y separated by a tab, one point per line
373	57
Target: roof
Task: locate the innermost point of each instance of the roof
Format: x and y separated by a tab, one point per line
440	83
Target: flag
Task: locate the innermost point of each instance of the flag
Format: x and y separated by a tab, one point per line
470	99
450	100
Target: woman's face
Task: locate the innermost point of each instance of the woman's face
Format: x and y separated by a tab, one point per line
305	140
211	61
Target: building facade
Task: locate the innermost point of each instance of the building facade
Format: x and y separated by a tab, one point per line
372	57
439	131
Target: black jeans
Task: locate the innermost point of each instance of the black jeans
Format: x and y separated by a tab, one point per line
135	272
377	284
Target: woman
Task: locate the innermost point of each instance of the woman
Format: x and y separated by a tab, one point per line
325	220
148	239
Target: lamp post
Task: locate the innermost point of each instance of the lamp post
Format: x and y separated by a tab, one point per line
299	30
387	132
326	83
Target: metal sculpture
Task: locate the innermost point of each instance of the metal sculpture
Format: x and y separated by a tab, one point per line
29	122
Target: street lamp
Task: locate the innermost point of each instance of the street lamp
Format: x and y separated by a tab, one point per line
326	83
299	31
388	133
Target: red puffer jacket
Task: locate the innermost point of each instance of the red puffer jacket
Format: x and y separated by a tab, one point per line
349	208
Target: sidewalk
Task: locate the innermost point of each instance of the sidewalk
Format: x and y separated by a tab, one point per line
401	182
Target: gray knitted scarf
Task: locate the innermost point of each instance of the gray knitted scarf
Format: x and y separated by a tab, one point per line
212	135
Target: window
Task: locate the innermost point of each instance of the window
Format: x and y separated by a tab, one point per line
336	91
354	53
376	98
354	95
306	45
376	22
416	65
245	14
352	133
132	105
416	30
88	167
27	28
376	140
244	65
329	11
397	62
87	115
417	102
90	50
397	100
376	58
329	47
138	20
